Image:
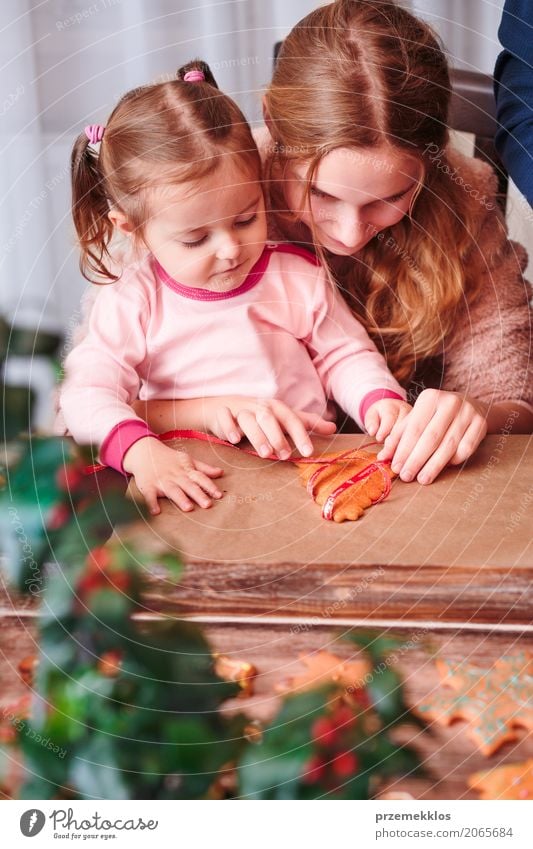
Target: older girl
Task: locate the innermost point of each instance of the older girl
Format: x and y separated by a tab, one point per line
359	165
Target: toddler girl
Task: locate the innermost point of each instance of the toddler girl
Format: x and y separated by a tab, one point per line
201	307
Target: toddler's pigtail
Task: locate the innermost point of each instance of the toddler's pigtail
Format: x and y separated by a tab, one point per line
90	209
197	65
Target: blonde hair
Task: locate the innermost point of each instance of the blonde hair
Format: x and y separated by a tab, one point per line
169	133
362	74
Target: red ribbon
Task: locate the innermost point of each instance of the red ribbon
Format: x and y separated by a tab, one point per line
327	510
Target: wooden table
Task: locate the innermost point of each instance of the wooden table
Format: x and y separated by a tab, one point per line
447	569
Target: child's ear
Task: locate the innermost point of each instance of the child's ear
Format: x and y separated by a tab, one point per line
120	221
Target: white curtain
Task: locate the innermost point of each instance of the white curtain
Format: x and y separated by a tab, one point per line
468	28
66	62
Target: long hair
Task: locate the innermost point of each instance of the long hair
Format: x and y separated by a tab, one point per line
161	134
362	74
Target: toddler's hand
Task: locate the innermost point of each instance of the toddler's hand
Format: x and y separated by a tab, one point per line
161	471
381	417
266	423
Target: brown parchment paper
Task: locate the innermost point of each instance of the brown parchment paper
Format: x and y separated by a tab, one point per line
459	550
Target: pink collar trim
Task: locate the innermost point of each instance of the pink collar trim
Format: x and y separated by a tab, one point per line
252	279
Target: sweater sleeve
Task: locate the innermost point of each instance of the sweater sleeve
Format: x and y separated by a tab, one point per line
351	369
513	88
489	355
101	374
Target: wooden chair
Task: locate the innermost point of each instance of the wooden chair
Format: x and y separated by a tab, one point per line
473	110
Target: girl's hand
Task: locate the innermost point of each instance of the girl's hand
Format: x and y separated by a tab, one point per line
266	423
442	428
160	471
381	417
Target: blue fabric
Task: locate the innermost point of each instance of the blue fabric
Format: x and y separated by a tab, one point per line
513	88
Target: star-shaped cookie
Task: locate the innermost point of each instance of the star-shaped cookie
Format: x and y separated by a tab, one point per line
495	702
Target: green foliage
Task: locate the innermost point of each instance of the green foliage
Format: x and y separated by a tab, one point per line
334	742
125	709
120	707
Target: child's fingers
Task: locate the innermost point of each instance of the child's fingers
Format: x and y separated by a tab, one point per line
176	494
211	471
393	439
205	483
194	491
150	496
270	426
227	426
295	426
373	421
249	426
315	424
388	420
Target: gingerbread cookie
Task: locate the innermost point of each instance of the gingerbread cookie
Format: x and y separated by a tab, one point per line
323	667
513	781
495	701
346	484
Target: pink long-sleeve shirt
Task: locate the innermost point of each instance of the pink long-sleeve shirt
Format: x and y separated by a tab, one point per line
283	333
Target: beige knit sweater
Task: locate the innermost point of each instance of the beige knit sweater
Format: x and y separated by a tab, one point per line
490	353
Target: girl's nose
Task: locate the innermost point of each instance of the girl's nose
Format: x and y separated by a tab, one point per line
228	247
349	227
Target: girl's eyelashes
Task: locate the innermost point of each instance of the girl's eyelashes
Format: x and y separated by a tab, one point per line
317	193
247	221
195	244
399	196
198	242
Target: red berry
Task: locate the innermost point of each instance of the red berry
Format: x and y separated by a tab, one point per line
88	584
7	734
324	731
314	770
361	697
68	477
99	559
343	717
345	764
120	580
110	662
27	667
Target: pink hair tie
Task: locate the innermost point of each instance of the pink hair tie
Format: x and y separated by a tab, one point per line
194	76
94	132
